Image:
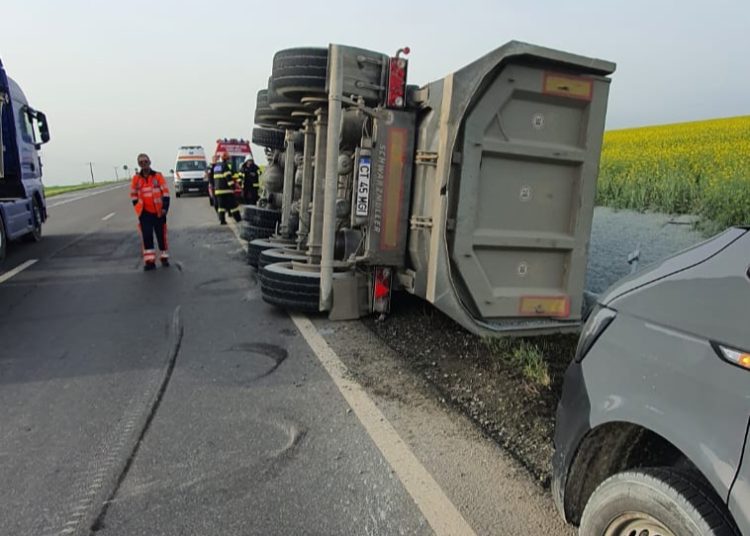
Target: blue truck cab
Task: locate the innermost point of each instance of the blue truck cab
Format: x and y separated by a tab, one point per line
23	208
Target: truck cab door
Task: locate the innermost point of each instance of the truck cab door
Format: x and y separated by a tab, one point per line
11	185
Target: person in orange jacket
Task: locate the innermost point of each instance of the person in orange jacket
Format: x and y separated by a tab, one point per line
150	196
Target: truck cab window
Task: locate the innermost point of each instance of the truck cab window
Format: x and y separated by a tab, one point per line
27	125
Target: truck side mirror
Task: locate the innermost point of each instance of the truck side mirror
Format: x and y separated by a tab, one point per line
41	121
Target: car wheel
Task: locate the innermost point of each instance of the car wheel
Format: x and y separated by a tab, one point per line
655	501
3	241
285	287
35	235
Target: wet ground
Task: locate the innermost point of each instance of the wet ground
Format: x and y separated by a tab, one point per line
467	374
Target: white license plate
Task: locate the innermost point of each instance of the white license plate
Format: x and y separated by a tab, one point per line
194	189
363	186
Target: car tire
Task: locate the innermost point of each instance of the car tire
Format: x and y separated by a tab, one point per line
35	235
254	249
287	288
272	138
273	256
3	241
655	501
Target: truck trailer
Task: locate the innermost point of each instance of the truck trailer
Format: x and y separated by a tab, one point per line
474	192
23	208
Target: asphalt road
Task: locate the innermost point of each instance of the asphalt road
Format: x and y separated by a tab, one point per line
177	402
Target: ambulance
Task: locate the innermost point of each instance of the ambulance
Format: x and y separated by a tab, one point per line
239	150
190	171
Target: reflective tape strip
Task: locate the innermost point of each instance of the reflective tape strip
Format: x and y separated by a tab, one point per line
221	210
220	192
236	209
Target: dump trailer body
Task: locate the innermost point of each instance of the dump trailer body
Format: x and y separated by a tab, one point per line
506	163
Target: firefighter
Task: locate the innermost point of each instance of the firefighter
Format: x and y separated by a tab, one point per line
224	181
251	180
210	179
150	196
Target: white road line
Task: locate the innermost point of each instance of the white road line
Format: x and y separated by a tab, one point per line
17	270
85	196
108	216
236	231
439	511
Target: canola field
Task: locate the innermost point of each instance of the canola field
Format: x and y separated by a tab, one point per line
700	168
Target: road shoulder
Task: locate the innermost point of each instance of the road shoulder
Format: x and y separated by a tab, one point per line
492	491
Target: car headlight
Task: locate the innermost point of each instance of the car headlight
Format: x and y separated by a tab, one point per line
599	319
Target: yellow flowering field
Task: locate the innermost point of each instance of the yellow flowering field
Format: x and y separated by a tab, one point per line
702	168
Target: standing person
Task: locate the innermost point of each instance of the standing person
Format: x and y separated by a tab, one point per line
251	181
210	178
150	196
224	179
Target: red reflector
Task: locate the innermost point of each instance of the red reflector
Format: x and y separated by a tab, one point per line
381	290
396	96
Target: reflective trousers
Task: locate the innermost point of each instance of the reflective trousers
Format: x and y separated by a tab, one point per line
150	224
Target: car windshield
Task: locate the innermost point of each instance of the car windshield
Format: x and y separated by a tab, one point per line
191	165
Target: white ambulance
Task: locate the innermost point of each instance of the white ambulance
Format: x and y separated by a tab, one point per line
190	171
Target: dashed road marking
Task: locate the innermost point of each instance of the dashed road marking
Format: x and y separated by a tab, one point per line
436	507
17	270
108	216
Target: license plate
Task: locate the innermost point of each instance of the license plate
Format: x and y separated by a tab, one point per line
363	186
194	189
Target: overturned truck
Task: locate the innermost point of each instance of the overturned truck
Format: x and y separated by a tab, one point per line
474	192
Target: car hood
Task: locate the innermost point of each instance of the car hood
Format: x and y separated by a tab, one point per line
679	262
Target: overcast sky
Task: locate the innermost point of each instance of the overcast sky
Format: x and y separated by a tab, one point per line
118	78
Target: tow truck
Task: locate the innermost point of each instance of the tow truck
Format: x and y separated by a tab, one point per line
23	208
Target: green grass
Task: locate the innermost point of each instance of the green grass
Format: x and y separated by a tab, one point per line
524	356
51	191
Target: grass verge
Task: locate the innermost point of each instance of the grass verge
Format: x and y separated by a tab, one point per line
51	191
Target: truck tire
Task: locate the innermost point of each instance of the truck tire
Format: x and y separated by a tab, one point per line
35	235
655	501
300	71
264	114
261	216
273	256
251	232
272	138
284	287
254	249
278	102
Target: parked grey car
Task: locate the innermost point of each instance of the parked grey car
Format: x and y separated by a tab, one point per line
652	427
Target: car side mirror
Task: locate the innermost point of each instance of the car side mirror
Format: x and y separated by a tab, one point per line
171	171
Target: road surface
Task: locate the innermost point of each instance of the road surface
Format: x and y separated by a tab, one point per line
178	402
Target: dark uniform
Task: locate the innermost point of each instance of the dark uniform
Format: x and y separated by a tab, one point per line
224	179
250	182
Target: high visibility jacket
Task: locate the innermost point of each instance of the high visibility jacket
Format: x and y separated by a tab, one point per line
225	178
149	193
250	175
